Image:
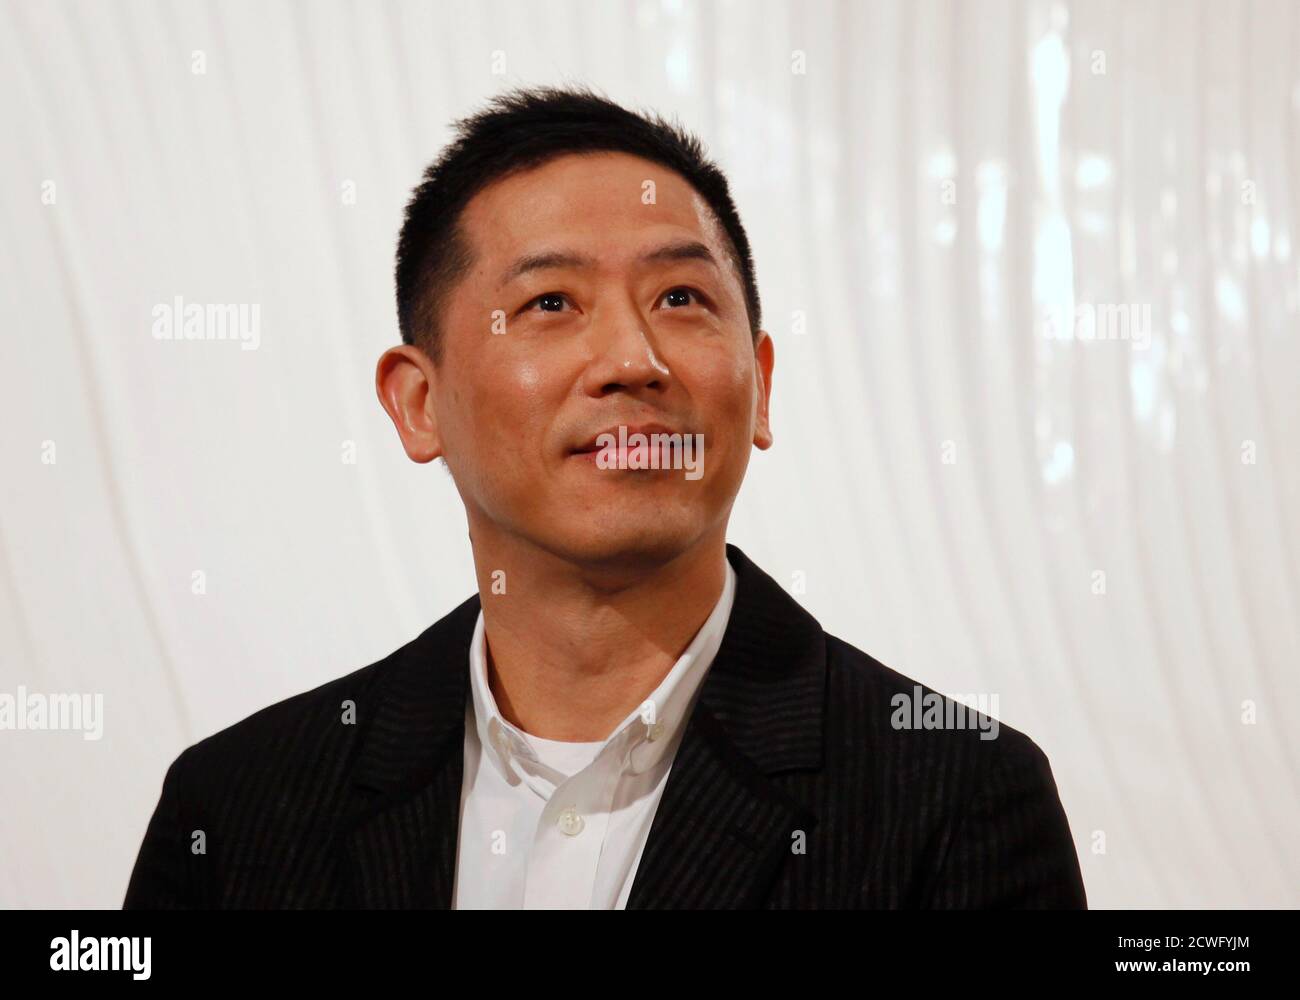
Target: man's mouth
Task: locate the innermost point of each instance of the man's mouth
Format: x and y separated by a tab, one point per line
620	437
644	447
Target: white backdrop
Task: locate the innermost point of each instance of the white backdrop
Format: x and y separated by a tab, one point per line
1104	533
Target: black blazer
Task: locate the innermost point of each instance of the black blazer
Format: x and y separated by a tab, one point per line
791	732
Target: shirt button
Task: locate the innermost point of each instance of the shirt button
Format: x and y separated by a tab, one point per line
570	823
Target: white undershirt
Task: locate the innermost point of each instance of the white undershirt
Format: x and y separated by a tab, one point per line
547	824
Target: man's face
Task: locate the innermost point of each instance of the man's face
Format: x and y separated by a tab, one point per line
578	317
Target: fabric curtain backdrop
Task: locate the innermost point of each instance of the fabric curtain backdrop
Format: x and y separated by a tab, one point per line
1031	272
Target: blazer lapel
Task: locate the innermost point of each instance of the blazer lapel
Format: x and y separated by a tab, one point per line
723	826
400	846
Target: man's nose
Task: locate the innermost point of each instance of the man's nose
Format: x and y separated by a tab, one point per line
624	356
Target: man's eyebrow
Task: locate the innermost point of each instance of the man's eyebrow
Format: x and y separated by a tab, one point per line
543	260
682	250
685	250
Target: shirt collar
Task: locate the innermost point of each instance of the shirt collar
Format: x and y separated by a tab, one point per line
647	733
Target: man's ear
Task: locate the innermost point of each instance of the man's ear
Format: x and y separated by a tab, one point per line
764	359
406	382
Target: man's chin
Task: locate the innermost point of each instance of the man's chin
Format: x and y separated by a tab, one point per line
624	544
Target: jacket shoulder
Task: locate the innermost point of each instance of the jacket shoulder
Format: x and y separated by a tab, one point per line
269	793
309	738
312	731
911	721
975	801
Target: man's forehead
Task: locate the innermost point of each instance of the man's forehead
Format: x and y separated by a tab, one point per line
601	197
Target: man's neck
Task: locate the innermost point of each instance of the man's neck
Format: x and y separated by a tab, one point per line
570	652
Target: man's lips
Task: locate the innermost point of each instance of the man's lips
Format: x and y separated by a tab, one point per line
591	445
643	448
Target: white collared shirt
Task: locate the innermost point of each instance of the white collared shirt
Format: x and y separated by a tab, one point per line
546	824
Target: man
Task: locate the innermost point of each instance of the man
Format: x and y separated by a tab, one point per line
629	713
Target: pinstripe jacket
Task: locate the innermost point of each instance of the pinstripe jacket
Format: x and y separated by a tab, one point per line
791	788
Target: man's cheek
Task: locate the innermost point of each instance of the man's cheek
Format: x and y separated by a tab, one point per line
526	377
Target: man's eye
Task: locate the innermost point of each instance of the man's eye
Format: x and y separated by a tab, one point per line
678	297
550	302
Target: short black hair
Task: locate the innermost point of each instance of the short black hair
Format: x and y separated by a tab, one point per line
519	130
